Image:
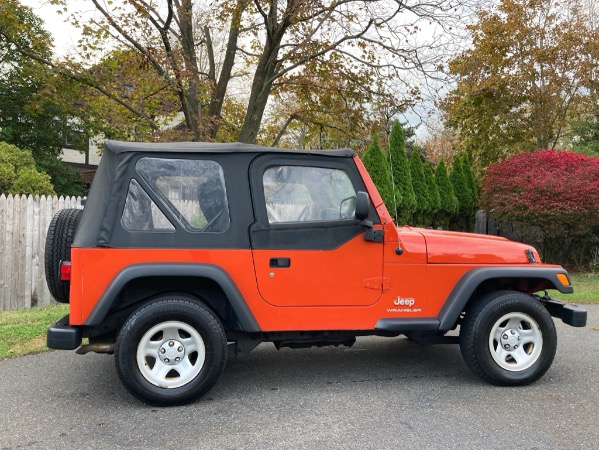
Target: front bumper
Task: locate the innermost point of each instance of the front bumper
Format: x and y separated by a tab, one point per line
572	315
62	336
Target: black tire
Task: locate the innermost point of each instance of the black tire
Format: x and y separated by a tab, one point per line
59	239
152	326
524	339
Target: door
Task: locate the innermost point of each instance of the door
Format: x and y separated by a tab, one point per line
308	248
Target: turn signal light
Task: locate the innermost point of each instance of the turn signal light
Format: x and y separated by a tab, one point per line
563	278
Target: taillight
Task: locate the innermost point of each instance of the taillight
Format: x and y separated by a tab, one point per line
65	271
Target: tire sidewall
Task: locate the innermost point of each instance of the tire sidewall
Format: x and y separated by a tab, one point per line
59	238
487	319
195	315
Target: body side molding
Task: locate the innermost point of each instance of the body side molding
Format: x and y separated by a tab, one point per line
408	324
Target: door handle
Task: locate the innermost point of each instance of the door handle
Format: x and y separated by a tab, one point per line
280	262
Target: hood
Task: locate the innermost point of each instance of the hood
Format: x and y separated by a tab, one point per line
445	247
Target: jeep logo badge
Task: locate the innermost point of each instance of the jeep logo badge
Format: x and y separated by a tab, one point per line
404	301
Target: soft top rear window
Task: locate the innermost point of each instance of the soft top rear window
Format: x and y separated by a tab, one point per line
193	190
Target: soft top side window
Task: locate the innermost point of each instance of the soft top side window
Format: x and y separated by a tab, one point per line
141	213
308	194
194	191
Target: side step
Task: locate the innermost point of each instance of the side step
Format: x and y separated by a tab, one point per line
348	342
425	339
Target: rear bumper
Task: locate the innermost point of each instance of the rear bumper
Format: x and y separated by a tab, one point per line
62	336
572	315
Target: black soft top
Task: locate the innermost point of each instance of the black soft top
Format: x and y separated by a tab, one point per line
110	184
118	147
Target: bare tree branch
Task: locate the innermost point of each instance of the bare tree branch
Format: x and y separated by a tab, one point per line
142	4
143	50
281	132
322	52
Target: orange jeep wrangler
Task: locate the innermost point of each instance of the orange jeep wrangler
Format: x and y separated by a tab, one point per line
185	252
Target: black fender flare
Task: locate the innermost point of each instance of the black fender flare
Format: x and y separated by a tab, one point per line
215	273
460	294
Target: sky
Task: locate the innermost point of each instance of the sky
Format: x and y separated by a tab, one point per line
64	34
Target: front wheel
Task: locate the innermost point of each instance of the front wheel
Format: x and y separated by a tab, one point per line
171	351
508	338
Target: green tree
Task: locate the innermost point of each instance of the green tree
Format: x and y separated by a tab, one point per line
67	180
532	65
375	162
18	174
586	132
402	177
470	178
448	201
434	196
461	220
423	206
31	117
470	211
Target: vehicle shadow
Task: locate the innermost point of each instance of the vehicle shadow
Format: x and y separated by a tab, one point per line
370	360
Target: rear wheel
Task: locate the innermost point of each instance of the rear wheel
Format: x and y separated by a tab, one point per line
59	239
171	351
508	338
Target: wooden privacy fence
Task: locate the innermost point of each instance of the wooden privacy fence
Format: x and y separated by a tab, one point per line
24	222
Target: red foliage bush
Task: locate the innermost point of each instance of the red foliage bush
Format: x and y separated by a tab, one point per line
557	190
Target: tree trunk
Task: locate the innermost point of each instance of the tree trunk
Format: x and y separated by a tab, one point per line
189	97
255	110
218	95
265	73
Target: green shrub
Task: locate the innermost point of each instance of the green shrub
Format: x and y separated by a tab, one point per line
434	197
423	206
18	174
375	162
448	201
402	177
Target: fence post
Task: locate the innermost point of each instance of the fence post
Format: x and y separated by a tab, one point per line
27	230
6	266
3	246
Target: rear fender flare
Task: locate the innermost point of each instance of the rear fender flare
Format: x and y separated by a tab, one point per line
246	319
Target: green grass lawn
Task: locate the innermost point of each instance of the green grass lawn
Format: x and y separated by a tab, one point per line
23	331
586	289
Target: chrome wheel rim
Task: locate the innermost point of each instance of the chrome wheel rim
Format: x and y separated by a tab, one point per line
515	342
171	354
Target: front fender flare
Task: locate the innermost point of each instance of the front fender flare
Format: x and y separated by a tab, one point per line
217	274
458	298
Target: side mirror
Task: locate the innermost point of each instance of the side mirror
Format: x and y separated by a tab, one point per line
362	205
347	209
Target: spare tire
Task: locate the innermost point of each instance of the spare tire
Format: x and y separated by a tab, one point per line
58	248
